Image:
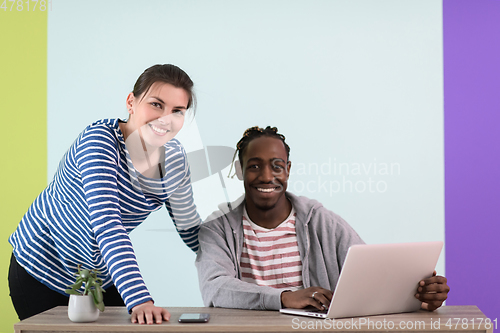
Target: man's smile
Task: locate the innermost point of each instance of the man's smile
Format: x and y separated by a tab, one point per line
267	189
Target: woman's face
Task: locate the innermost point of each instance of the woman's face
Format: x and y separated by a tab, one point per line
158	114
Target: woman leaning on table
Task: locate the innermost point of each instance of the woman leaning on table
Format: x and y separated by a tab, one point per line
113	176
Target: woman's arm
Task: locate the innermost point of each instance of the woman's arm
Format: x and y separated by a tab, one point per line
97	160
183	211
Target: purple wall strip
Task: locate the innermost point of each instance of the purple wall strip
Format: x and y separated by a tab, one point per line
472	152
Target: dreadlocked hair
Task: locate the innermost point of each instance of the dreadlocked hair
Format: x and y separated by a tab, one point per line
254	133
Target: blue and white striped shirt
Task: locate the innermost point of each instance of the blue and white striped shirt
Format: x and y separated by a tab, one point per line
95	200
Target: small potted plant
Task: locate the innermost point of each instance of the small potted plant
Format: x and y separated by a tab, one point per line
85	306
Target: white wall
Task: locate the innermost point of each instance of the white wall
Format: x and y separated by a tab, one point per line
355	86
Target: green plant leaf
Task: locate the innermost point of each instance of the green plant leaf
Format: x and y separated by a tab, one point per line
85	274
72	292
76	285
98	294
98	298
100	306
88	285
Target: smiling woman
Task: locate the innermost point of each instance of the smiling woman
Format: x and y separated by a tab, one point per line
113	176
157	106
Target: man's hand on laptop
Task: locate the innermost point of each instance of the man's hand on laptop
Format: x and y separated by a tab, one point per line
432	292
313	296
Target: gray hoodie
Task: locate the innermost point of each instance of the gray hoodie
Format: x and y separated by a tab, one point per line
323	238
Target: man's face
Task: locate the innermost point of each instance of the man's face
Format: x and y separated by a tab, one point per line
265	169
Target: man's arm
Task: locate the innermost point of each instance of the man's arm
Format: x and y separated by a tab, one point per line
217	274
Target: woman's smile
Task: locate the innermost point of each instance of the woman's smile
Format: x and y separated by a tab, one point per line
158	130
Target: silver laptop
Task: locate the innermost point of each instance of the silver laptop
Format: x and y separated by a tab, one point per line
379	279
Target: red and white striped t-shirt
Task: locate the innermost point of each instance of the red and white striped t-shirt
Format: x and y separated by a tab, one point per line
270	257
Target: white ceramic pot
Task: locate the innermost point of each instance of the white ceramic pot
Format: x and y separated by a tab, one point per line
81	309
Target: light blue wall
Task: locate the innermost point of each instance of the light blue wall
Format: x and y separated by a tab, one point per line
354	86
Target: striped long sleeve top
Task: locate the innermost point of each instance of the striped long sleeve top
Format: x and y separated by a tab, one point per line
95	200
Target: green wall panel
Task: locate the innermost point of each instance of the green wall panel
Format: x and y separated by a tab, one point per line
23	167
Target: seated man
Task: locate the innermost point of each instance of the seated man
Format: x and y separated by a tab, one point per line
274	249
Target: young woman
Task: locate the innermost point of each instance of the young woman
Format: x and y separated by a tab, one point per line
113	176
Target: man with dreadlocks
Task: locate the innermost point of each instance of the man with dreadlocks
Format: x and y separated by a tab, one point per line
274	249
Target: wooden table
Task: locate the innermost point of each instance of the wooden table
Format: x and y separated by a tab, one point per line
116	319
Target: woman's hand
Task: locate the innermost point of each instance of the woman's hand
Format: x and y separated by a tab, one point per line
145	313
